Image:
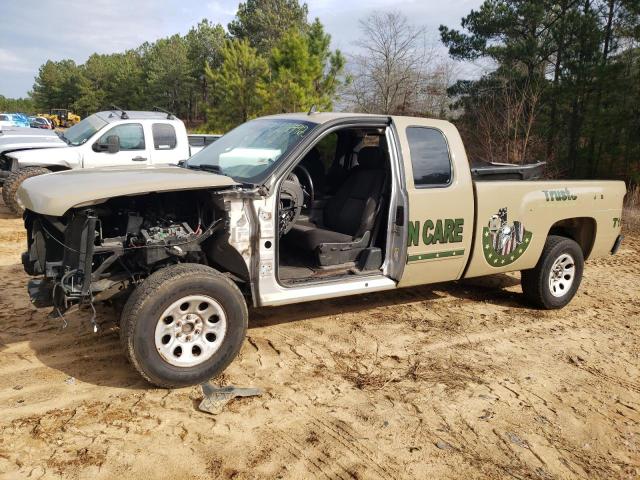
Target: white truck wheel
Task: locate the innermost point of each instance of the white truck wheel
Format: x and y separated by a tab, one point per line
183	325
554	281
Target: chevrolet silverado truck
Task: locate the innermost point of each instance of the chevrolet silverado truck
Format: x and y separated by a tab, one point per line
293	208
111	138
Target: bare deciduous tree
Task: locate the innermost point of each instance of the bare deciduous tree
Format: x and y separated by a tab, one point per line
504	119
397	71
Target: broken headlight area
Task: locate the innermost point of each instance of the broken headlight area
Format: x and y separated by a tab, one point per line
93	253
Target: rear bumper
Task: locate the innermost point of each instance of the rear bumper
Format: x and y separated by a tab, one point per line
616	245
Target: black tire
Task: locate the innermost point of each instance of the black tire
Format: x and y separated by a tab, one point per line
13	182
536	284
145	307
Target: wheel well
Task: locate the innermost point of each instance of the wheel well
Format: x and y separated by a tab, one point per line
581	229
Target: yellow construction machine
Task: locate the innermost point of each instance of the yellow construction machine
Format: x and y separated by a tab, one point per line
63	118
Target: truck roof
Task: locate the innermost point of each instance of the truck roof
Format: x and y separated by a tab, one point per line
324	117
115	115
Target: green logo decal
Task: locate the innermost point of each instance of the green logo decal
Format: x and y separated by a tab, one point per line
435	255
617	222
504	243
559	195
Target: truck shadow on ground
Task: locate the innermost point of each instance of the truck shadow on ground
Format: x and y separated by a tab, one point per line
488	289
98	358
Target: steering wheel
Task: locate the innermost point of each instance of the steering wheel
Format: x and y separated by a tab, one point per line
291	201
307	184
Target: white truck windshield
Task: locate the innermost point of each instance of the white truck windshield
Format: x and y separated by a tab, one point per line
83	131
248	151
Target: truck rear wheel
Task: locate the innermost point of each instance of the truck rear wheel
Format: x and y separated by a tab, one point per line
554	281
183	325
13	182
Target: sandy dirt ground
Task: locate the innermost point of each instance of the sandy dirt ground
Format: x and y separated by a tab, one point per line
446	381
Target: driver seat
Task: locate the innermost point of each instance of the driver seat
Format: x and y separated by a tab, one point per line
349	216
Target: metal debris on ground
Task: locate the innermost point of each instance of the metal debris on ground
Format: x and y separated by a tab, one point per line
576	360
442	445
486	415
70	381
515	438
215	398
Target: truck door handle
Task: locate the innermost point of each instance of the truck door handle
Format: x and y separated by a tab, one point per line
139	159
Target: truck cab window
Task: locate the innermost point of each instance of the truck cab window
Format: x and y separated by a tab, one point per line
429	157
164	136
131	136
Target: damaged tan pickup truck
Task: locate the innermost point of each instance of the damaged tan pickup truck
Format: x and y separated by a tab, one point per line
299	207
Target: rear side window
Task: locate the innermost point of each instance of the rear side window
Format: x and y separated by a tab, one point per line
429	157
164	136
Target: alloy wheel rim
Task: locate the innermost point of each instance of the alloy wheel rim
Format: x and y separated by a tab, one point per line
190	331
562	275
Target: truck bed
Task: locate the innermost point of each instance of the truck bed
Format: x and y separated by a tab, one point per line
490	171
534	208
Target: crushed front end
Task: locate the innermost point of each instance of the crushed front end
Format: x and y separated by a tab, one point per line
97	252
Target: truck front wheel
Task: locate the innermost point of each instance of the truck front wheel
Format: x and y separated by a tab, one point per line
553	282
183	325
13	182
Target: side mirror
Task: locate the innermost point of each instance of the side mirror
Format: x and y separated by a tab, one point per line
113	144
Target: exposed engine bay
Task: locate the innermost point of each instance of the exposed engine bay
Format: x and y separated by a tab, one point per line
97	251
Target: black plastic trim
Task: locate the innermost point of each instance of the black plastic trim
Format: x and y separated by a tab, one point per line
616	245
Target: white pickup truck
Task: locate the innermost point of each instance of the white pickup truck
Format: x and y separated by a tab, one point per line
114	138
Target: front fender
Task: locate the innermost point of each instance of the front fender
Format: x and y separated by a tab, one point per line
66	158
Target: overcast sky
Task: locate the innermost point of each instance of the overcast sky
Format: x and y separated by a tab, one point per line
33	31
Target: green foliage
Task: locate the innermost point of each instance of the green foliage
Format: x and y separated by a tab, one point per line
57	85
572	69
204	49
204	46
512	33
264	22
11	105
304	71
107	80
273	62
169	73
239	85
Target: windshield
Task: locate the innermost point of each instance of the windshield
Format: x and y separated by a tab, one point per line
248	152
83	131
